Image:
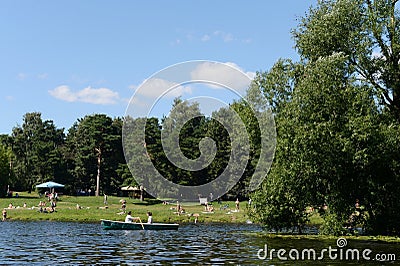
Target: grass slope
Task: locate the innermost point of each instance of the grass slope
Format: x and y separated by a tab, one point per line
92	210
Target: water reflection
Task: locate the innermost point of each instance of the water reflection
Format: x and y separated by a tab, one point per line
54	242
45	243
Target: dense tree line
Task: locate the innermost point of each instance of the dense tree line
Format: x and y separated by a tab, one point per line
90	155
149	157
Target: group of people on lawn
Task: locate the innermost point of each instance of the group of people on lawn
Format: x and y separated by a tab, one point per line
51	208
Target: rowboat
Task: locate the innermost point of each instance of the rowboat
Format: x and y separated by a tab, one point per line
118	225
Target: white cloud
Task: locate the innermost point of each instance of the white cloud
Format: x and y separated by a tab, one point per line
98	96
176	42
247	41
43	76
155	87
22	76
86	95
226	37
190	36
9	98
205	38
220	73
250	74
63	93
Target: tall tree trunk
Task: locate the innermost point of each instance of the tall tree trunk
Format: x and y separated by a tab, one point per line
98	171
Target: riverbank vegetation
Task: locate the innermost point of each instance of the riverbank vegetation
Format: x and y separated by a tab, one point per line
337	112
379	238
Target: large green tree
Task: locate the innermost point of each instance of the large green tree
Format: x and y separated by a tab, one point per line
337	117
183	130
139	158
95	152
7	159
36	145
5	171
367	33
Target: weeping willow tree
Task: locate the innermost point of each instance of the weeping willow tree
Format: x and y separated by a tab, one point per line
337	113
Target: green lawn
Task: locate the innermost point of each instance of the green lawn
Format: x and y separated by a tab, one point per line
92	210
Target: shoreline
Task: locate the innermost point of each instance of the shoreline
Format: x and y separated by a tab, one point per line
262	234
379	238
92	210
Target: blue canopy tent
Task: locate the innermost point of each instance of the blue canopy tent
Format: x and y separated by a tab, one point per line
52	185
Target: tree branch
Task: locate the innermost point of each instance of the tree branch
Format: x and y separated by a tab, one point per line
378	38
384	95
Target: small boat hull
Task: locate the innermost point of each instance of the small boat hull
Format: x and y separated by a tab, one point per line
118	225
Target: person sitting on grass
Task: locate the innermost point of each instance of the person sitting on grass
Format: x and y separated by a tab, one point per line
123	205
208	207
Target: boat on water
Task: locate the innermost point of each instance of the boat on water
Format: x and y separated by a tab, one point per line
119	225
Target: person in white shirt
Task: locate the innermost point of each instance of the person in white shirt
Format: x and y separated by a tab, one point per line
129	218
150	218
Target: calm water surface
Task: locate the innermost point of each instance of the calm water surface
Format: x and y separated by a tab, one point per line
55	243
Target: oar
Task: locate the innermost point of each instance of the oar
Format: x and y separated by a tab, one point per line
141	223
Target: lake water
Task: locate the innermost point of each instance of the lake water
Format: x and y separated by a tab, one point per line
55	243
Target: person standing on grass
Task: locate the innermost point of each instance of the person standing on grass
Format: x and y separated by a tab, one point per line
237	204
53	205
105	199
4	214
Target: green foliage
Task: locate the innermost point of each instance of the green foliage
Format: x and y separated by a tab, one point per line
4	169
333	225
95	151
92	150
186	124
367	33
278	207
37	148
337	116
192	162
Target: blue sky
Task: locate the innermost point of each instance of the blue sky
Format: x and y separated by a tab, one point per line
68	59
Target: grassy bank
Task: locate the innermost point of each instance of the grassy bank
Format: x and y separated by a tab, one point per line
92	209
